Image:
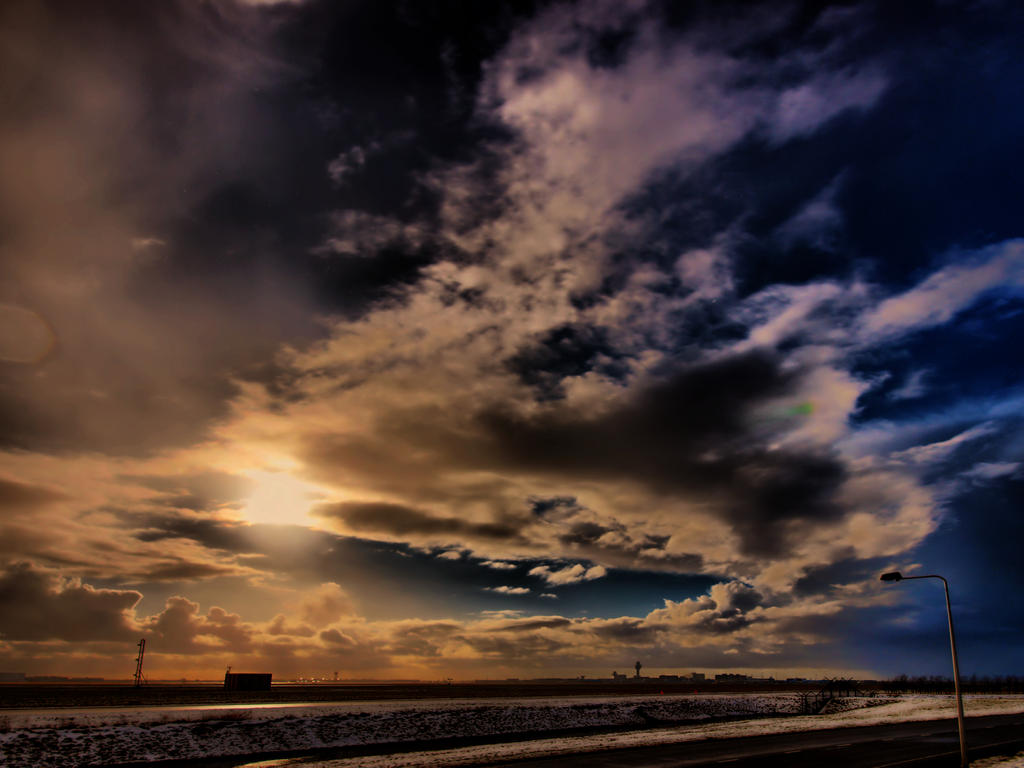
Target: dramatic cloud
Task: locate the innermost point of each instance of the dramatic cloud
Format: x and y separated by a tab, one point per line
39	605
106	160
315	356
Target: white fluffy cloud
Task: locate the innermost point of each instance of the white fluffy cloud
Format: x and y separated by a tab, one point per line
571	574
499	565
507	590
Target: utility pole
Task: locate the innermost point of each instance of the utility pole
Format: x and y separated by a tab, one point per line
138	662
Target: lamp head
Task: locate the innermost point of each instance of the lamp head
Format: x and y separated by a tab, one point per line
892	576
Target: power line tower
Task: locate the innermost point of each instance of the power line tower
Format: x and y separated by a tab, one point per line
139	679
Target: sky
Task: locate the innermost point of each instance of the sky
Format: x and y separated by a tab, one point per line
510	339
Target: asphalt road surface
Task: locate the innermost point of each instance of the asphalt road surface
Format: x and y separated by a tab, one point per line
900	745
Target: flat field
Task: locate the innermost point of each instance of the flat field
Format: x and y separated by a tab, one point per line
76	695
401	728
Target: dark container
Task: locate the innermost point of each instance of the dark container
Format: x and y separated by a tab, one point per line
247	681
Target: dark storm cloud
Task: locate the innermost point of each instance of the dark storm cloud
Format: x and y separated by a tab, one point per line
186	149
211	533
689	434
846	568
609	540
406	70
587	535
122	121
396	519
34	605
563	352
695	434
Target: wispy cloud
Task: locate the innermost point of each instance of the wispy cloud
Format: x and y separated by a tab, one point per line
942	449
950	290
804	108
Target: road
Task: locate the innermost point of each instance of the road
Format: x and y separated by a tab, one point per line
900	745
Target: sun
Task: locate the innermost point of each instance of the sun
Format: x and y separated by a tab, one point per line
279	498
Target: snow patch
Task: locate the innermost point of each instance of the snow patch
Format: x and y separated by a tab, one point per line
49	739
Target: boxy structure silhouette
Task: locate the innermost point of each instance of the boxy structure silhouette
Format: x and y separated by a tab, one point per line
247	681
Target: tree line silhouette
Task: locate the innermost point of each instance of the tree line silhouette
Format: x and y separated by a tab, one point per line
938	684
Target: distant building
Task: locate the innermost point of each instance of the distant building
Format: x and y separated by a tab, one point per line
247	681
617	676
731	678
697	677
669	678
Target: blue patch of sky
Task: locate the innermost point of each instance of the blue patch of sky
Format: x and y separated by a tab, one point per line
975	357
977	549
395	580
626	593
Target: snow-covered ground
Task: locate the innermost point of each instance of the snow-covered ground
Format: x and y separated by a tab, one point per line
1017	761
904	709
96	736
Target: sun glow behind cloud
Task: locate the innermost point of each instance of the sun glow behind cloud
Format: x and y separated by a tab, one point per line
278	498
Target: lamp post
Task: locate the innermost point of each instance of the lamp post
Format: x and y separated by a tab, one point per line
897	576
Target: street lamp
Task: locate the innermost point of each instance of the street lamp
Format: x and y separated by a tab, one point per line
897	576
